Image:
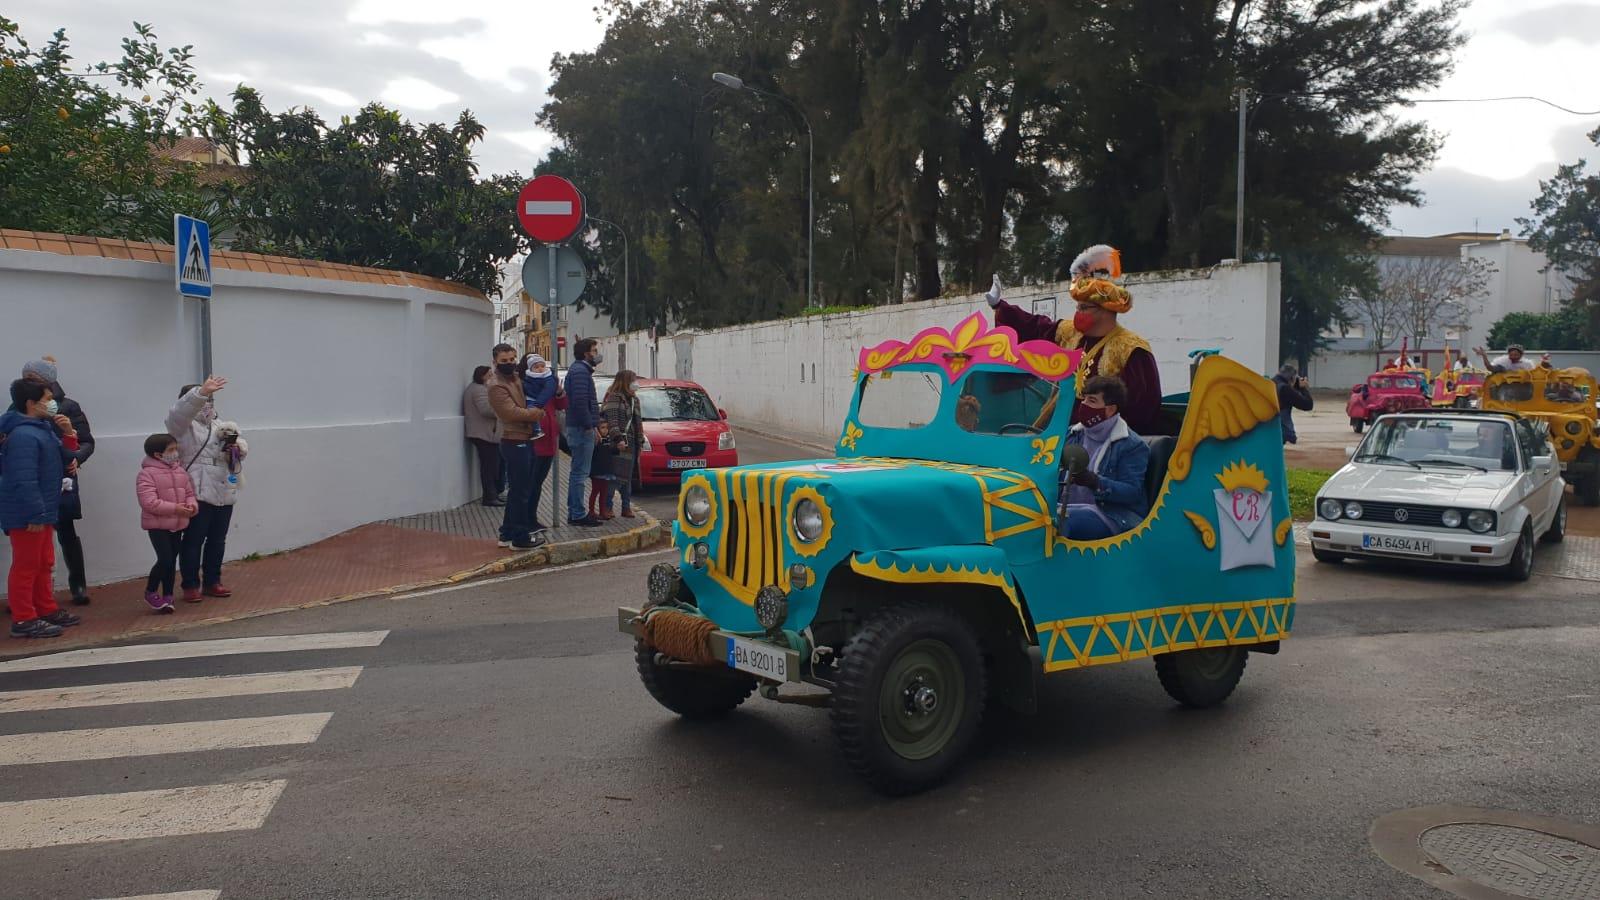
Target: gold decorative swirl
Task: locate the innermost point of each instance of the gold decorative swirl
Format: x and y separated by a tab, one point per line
1208	535
1282	534
1227	400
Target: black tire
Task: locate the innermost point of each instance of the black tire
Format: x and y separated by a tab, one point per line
914	655
1201	678
1558	527
1521	566
689	693
1357	425
1326	556
1588	489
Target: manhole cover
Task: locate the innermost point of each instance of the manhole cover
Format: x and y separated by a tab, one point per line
1486	854
1518	861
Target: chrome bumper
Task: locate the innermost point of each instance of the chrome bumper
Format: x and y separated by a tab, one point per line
1448	547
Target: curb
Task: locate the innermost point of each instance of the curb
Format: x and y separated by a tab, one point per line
638	538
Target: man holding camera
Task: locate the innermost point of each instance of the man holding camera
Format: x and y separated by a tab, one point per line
1293	393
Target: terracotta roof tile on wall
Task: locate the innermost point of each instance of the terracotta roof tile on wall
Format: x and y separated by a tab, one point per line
114	248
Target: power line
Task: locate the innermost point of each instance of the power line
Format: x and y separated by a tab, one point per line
1595	112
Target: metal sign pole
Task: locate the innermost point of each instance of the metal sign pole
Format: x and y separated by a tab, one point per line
205	338
557	509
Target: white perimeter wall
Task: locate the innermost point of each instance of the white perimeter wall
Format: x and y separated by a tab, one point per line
1341	370
348	393
763	375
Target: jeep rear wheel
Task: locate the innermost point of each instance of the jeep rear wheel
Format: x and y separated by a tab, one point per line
1203	677
908	697
691	693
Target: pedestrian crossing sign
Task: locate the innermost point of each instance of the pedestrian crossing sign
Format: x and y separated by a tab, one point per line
192	256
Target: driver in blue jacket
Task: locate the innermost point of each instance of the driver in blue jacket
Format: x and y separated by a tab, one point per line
1106	498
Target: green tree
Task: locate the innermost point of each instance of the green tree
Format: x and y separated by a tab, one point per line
1566	228
374	190
1569	329
78	149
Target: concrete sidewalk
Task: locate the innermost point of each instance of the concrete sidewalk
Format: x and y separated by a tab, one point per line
373	560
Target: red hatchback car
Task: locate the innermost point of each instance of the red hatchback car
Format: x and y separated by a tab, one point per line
683	431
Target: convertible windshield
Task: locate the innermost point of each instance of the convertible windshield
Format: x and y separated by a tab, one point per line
662	404
1395	383
1443	442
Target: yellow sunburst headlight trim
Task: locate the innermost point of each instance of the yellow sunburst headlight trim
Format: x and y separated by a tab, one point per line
690	530
802	548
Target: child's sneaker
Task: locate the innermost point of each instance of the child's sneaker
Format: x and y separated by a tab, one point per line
62	618
166	603
35	628
156	603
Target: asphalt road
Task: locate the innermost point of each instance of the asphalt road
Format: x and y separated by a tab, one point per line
496	742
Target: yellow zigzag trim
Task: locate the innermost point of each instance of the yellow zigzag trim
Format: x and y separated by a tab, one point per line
1148	634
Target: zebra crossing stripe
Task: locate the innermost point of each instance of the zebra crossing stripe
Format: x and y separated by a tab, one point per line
204	809
283	643
168	689
153	740
180	895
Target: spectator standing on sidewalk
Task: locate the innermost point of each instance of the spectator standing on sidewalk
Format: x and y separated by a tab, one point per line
212	456
37	443
166	504
44	370
516	446
583	417
545	449
621	413
483	433
1293	393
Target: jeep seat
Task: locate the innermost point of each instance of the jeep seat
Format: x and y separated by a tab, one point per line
1161	447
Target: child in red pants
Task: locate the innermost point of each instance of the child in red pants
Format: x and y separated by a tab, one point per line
33	460
600	469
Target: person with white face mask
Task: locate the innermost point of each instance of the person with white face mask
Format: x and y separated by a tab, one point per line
213	458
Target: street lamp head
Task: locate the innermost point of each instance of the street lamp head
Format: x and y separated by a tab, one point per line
732	82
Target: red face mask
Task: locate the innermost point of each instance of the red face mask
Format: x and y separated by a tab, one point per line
1083	321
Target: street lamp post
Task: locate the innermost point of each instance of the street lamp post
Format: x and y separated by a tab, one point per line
599	221
735	83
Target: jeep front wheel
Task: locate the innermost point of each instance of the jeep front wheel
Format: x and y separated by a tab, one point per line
1203	677
691	693
908	697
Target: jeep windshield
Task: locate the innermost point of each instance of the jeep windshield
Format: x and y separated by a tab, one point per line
988	402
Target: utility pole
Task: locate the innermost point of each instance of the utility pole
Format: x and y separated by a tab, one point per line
1238	209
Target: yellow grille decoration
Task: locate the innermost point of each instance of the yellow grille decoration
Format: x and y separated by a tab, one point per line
753	543
810	493
1097	640
701	531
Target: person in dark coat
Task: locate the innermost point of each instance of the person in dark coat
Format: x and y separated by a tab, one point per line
44	370
1293	394
35	445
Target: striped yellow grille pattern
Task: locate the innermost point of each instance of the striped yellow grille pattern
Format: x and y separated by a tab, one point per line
750	552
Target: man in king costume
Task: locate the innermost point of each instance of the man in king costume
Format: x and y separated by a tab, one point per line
1108	348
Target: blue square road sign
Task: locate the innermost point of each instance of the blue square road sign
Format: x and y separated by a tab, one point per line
191	240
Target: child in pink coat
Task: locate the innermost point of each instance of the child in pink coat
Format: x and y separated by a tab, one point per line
167	502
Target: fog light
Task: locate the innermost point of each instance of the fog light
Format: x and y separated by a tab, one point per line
799	577
1451	518
1352	510
662	585
1329	509
772	607
702	554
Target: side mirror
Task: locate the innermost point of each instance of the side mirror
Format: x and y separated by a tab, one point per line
1349	451
1544	463
723	413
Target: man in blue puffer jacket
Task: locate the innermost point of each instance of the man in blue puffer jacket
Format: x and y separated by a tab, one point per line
583	417
32	466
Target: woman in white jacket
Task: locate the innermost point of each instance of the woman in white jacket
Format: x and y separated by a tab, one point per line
212	452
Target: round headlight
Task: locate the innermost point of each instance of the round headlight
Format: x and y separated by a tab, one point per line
1480	520
1451	518
1352	510
1573	428
697	506
772	607
1329	509
807	521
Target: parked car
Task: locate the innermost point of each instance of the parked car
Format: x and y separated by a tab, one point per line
683	431
919	574
1465	488
1385	392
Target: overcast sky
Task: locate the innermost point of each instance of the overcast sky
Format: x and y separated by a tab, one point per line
431	59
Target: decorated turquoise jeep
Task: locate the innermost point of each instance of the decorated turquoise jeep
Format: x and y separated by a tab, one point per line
919	574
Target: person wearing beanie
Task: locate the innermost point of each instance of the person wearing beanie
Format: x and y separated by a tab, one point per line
1108	347
44	371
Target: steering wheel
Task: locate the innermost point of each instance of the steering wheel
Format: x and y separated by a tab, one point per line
1018	427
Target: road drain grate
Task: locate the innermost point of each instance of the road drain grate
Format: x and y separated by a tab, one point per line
1488	854
1518	861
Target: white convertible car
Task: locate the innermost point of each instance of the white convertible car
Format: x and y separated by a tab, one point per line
1468	488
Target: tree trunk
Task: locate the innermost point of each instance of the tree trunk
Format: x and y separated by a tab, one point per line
925	226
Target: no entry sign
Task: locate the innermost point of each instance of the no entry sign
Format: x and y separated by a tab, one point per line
550	209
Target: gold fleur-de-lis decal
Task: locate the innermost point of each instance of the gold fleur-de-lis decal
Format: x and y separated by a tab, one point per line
852	433
1044	450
